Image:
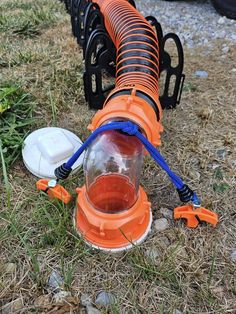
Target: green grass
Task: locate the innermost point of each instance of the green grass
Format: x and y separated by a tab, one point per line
16	5
54	233
190	87
29	19
15	120
220	186
26	30
17	232
5	176
163	272
15	54
53	108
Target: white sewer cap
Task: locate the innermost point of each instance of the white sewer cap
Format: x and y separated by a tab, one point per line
47	148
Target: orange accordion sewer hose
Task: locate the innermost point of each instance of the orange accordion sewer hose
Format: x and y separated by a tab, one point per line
137	69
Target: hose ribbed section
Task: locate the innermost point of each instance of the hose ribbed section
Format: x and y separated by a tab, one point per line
136	44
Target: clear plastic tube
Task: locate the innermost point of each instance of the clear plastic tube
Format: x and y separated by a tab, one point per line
112	169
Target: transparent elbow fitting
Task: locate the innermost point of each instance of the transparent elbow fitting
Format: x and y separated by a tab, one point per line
112	169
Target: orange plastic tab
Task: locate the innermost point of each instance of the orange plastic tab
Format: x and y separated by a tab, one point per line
195	215
54	192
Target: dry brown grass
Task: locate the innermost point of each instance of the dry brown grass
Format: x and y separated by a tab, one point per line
195	273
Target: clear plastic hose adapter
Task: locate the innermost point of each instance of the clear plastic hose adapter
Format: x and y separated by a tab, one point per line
112	168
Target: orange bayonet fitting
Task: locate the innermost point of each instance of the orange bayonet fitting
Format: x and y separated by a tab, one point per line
113	232
56	191
194	216
134	108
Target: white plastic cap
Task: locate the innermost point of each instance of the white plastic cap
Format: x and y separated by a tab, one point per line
47	148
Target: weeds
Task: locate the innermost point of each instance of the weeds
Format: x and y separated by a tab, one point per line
220	186
29	20
27	30
5	177
54	109
68	274
21	54
162	272
15	120
190	87
24	241
17	232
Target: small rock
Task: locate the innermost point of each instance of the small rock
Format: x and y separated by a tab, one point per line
225	49
10	268
221	153
152	253
167	213
161	224
202	74
233	163
233	36
85	300
105	298
221	20
221	34
92	310
215	165
43	301
13	306
233	256
55	281
233	71
60	296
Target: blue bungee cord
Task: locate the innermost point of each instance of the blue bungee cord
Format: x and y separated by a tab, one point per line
185	193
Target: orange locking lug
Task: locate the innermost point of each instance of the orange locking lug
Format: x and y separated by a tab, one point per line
195	215
53	191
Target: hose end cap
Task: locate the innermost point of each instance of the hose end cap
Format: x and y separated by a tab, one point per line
62	172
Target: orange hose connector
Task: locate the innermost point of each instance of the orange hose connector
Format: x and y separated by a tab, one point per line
113	232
